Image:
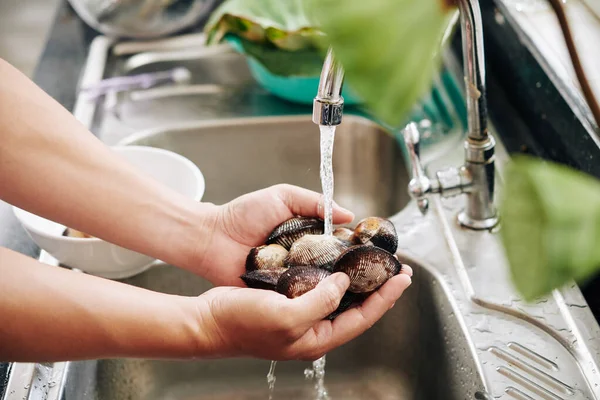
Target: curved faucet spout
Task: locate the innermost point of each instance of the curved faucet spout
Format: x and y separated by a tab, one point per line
328	106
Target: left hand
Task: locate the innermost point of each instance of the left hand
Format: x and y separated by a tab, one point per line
247	221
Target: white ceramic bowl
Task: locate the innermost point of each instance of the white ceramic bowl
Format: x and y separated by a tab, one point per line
96	256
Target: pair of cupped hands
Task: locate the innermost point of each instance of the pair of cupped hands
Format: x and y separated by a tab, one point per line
266	324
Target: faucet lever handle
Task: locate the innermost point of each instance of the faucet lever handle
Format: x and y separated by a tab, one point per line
420	185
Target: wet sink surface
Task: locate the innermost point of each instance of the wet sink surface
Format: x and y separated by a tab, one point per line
415	352
239	156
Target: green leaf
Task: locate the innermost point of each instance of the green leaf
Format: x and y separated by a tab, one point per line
550	225
281	23
389	48
299	63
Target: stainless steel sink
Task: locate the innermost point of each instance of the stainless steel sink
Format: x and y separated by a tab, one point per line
459	332
417	351
242	155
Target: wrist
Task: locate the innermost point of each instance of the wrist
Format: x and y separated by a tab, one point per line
190	237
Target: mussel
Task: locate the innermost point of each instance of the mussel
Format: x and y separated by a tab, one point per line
293	229
318	251
270	256
368	267
379	231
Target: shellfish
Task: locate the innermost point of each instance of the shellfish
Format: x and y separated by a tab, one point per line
270	256
263	278
298	256
379	231
368	267
316	251
286	233
297	281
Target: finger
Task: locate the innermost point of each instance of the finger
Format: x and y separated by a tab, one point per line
318	303
406	269
310	204
355	321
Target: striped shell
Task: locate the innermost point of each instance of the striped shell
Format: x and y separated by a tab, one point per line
368	267
293	229
316	251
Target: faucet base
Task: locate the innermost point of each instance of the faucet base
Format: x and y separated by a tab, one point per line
476	224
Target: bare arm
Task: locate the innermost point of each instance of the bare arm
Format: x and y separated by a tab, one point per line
54	314
51	313
51	165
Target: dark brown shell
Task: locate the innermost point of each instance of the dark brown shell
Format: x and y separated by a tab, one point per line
368	267
296	281
318	251
379	231
293	229
266	257
263	278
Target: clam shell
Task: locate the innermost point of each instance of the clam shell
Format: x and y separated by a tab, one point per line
293	229
316	251
296	281
368	267
345	235
263	278
266	257
379	231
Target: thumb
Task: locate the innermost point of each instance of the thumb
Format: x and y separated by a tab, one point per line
323	299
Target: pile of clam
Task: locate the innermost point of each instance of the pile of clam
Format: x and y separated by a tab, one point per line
297	256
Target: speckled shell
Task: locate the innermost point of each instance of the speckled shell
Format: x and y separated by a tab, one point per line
368	267
381	232
316	251
296	281
293	229
263	278
266	257
345	235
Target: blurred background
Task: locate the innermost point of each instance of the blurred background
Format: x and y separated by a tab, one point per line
24	27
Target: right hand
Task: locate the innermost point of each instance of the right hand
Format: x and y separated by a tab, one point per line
264	324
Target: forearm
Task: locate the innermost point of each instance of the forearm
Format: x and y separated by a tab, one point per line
52	314
53	166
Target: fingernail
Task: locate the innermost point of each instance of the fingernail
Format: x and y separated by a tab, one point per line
392	306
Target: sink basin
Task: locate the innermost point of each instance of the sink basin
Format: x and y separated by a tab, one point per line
417	351
238	156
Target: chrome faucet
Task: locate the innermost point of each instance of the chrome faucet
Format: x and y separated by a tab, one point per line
476	177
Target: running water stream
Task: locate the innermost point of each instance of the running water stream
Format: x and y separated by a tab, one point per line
327	139
326	171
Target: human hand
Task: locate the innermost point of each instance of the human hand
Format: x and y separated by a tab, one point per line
247	221
240	322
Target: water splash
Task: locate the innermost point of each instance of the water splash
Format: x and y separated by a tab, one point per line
318	373
271	379
327	139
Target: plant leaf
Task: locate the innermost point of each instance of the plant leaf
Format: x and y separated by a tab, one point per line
282	23
550	225
389	48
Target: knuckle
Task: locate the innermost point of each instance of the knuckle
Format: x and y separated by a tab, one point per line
330	298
